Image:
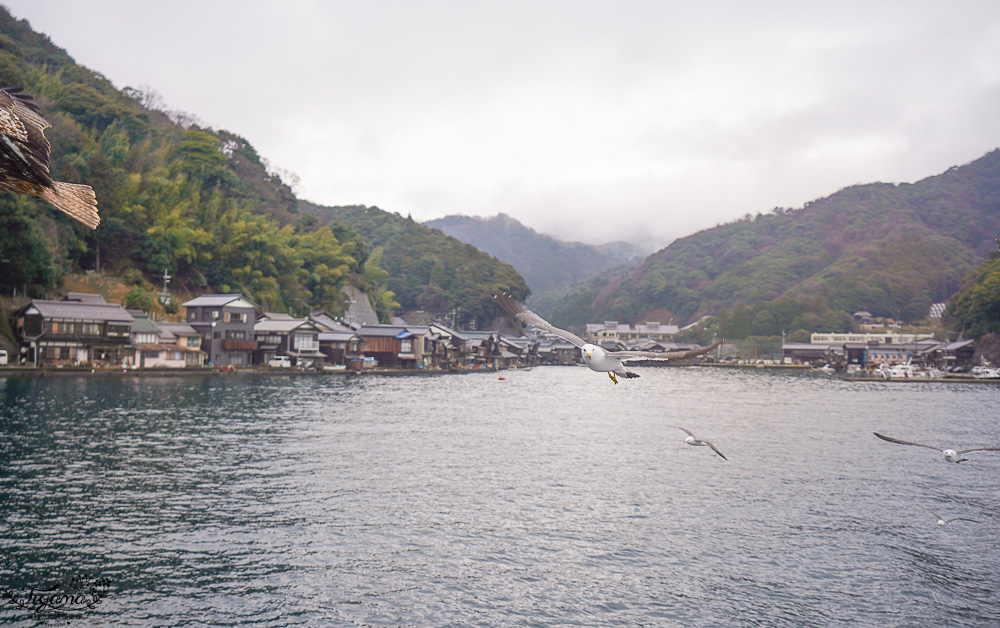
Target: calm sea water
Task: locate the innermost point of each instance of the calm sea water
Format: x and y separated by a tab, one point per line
550	497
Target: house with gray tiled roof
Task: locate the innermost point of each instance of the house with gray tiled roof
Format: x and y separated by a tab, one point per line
395	346
225	322
183	339
80	330
282	334
337	341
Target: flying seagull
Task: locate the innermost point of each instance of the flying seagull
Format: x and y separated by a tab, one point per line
597	358
942	521
950	455
24	160
697	442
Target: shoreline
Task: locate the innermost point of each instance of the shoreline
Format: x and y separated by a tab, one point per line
33	371
38	371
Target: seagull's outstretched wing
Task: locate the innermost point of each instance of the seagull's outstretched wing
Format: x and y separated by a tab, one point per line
905	442
517	309
965	451
709	443
961	519
662	355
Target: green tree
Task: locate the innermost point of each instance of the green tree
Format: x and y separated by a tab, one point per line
139	299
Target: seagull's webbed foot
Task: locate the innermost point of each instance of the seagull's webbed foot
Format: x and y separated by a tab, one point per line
612	376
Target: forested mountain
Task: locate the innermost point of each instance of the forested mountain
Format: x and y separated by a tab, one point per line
427	269
889	249
196	202
545	262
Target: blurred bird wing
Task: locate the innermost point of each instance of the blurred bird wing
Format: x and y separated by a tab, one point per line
683	429
662	355
526	316
906	442
20	122
714	449
965	451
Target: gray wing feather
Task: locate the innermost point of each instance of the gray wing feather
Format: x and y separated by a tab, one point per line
965	451
961	519
526	316
905	442
714	449
686	431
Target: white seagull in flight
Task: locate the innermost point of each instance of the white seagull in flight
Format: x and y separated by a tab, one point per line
950	455
597	358
942	521
697	442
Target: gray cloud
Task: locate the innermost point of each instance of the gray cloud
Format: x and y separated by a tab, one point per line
592	121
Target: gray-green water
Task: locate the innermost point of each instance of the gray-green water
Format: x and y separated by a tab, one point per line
548	498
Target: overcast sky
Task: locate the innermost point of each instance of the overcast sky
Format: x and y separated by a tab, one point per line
591	121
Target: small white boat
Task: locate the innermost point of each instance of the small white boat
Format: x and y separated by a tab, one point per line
985	372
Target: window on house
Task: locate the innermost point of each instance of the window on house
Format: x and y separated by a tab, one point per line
406	346
305	342
226	317
236	334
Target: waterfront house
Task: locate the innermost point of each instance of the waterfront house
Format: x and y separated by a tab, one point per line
81	330
175	345
282	334
146	340
448	347
395	346
225	323
337	341
483	348
182	338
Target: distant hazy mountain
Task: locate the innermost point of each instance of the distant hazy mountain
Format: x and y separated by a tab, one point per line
545	263
889	249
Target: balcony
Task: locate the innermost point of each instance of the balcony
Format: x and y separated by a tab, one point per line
230	344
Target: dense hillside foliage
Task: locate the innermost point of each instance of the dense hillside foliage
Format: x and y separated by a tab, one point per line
198	203
975	310
545	262
427	269
889	249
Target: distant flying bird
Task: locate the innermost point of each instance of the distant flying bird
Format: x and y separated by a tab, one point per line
942	521
24	160
597	358
950	455
697	442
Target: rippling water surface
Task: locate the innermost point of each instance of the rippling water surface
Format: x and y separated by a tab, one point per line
548	497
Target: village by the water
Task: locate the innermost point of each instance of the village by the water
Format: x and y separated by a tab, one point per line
230	333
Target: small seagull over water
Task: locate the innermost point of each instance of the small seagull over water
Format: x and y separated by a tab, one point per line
941	521
951	455
594	356
697	442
